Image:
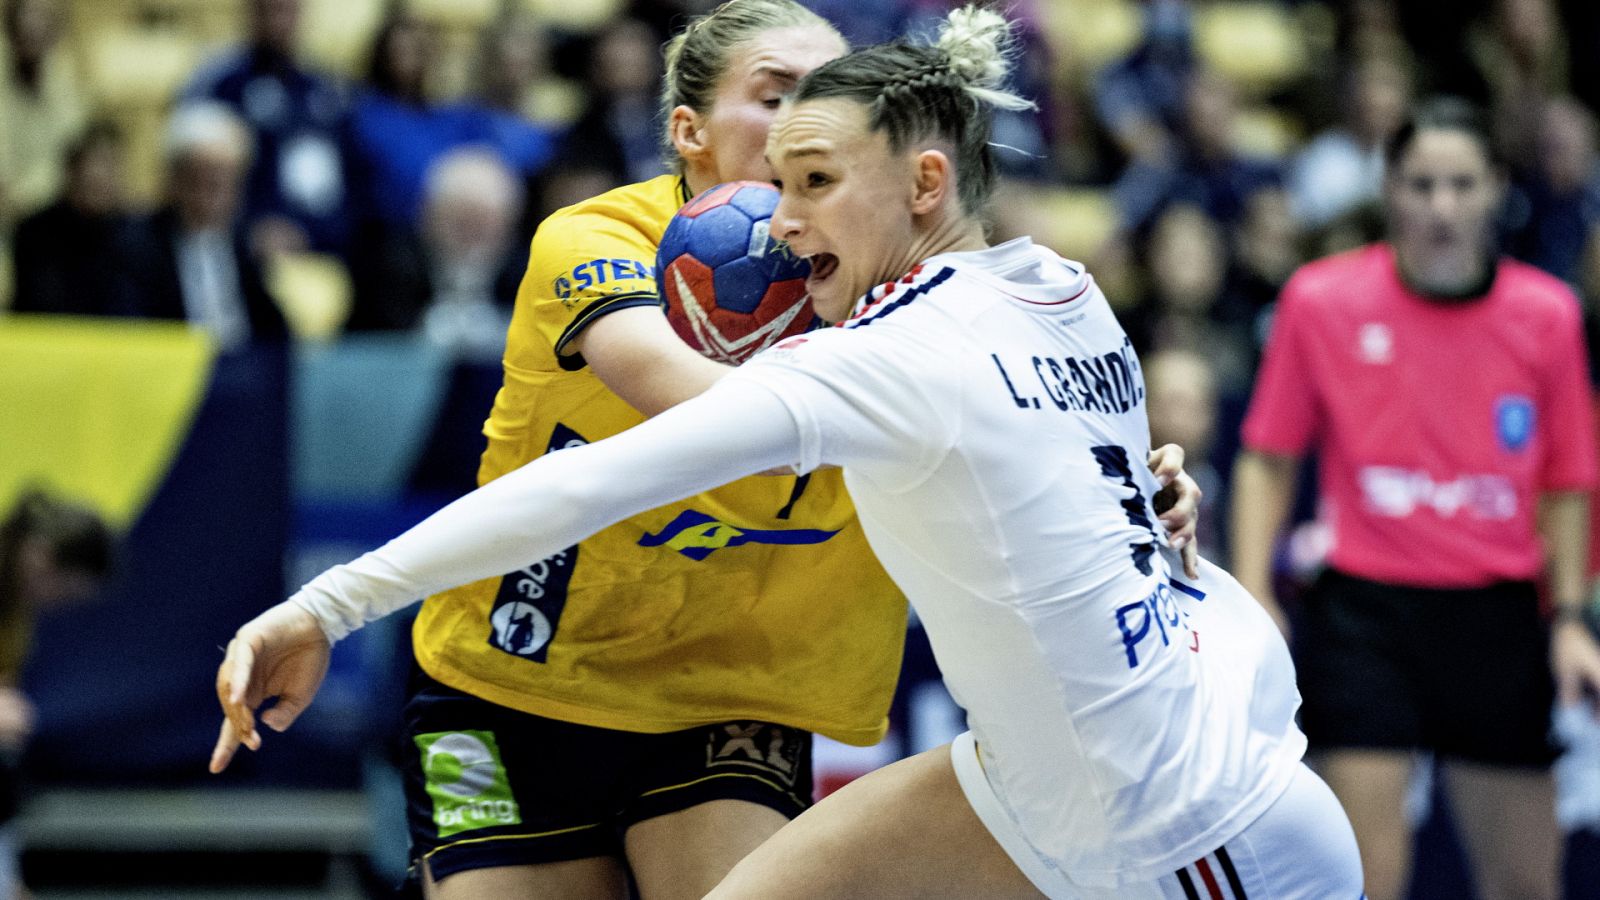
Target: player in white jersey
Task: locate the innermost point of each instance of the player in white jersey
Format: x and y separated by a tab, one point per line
1132	729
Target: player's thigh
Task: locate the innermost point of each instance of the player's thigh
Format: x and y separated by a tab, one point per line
490	788
704	797
683	855
596	878
906	830
1506	816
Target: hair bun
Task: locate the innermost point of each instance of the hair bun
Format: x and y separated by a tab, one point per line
978	43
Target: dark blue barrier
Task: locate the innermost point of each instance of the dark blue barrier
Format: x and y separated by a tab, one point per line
125	686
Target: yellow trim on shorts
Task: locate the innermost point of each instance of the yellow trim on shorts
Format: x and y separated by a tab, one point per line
766	781
508	837
671	787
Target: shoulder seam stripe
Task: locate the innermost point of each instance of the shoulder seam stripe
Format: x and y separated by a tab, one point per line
598	308
916	291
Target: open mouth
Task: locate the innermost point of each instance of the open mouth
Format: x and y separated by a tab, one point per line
822	266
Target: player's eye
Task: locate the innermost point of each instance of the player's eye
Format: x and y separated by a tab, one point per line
772	102
816	179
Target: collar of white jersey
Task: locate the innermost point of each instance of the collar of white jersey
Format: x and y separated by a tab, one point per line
1030	275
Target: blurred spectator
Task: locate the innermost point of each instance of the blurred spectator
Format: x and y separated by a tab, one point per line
512	63
516	76
1140	98
619	129
1188	261
1555	207
296	196
398	132
51	553
1181	396
567	181
1520	53
68	255
1267	250
455	279
41	109
190	260
1342	168
1371	28
1204	169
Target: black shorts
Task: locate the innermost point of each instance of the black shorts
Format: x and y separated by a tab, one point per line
488	786
1461	673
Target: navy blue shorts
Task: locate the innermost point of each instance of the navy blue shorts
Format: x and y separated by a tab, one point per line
487	786
1462	673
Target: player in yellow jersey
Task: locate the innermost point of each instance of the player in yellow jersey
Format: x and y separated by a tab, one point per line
641	704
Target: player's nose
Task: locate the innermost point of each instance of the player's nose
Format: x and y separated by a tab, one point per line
785	224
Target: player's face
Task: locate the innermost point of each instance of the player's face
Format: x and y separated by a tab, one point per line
759	73
846	201
1443	195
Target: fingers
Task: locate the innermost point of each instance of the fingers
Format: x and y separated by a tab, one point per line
1165	462
284	712
228	741
1180	521
1191	560
227	744
233	683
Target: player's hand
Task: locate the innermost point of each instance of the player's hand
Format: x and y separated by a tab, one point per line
1575	662
281	653
1178	504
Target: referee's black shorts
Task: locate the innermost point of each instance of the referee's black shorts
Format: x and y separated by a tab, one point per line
1463	673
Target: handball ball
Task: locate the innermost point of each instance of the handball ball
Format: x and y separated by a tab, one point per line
729	288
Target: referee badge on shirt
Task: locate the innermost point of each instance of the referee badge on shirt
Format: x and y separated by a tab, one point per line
1513	421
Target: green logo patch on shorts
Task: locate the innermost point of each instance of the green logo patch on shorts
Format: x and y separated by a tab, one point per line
467	781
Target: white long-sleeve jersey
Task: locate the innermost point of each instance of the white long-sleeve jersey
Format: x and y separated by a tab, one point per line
989	414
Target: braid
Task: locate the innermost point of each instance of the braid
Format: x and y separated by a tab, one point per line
915	86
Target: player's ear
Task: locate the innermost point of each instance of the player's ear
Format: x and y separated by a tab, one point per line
934	181
687	131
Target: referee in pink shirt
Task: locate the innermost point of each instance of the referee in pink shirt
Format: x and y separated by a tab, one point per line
1445	393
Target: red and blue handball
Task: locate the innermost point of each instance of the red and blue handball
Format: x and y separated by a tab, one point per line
730	289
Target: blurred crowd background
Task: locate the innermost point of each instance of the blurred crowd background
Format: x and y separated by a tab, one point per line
336	198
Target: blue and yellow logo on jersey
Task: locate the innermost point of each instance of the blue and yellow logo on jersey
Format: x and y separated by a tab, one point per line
697	535
605	276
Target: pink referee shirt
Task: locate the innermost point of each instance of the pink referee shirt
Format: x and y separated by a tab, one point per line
1438	424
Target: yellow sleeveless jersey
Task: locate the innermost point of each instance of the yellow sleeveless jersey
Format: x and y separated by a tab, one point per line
758	600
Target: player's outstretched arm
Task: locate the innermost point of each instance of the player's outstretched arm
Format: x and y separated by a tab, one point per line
529	514
1178	504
